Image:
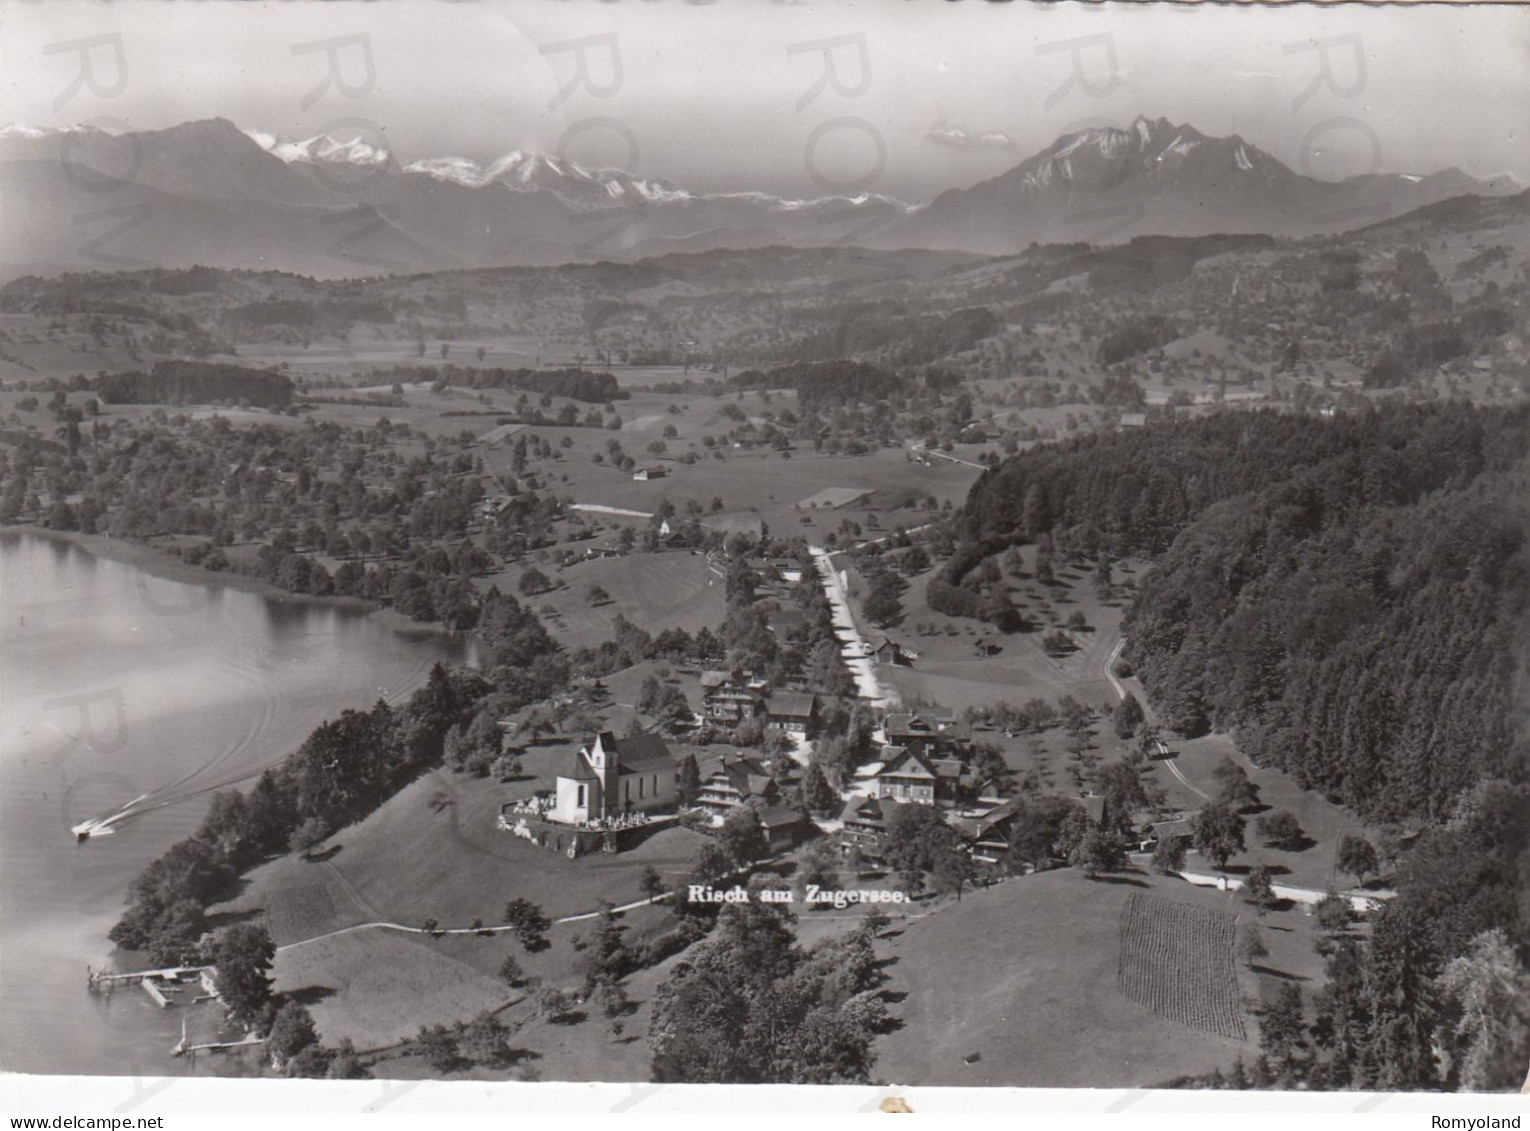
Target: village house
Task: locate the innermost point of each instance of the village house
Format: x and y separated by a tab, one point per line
792	711
892	653
614	776
644	474
988	834
906	776
863	821
1180	828
932	733
784	828
735	782
728	700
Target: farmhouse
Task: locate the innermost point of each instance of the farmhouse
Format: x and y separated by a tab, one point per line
1181	828
988	833
792	711
729	700
784	828
891	652
906	776
930	733
735	782
1133	419
644	474
863	821
615	776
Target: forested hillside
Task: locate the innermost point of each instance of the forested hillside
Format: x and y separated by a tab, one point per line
1344	595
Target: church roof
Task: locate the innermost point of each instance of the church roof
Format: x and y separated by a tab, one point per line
639	753
576	767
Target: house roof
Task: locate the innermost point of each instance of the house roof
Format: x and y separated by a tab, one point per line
791	704
715	678
908	764
863	811
1094	809
746	775
778	817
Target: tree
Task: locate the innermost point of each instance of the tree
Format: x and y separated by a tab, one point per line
510	970
438	1045
1169	854
1128	716
1237	790
1333	912
1258	889
817	794
243	954
1100	851
1217	833
1251	946
596	595
534	581
688	780
650	882
1356	856
291	1032
1120	787
346	1065
312	1063
1280	829
1488	997
1281	1029
528	923
742	837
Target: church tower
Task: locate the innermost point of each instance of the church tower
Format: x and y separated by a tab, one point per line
606	762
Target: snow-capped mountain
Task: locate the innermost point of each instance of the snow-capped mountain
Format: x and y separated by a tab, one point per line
1155	177
210	192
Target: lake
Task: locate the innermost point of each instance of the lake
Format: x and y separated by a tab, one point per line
117	686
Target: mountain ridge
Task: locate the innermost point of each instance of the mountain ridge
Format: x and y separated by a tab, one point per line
1103	184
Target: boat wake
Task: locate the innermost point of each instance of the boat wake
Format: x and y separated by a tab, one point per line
103	826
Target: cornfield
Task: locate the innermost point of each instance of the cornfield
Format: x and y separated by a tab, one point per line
294	914
1179	962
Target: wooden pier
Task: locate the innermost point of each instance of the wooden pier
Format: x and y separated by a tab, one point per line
158	984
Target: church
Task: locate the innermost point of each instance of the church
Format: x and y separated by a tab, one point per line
614	776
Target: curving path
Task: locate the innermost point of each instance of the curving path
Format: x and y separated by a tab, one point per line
384	925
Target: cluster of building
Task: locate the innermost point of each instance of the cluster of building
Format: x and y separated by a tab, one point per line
729	699
613	784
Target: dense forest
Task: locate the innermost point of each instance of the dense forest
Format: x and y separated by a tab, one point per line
826	383
1344	595
196	382
589	385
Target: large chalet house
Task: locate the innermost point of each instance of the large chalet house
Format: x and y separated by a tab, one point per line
734	783
908	775
614	777
728	700
863	821
934	734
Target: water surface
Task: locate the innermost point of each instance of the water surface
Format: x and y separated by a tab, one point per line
116	685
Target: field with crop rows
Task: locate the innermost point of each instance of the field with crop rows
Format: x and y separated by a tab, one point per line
1178	961
299	913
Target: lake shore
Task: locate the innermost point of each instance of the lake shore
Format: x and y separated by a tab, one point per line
163	564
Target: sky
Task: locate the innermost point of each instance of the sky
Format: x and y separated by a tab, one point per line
797	99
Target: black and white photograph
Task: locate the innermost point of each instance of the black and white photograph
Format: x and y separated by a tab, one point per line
937	545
